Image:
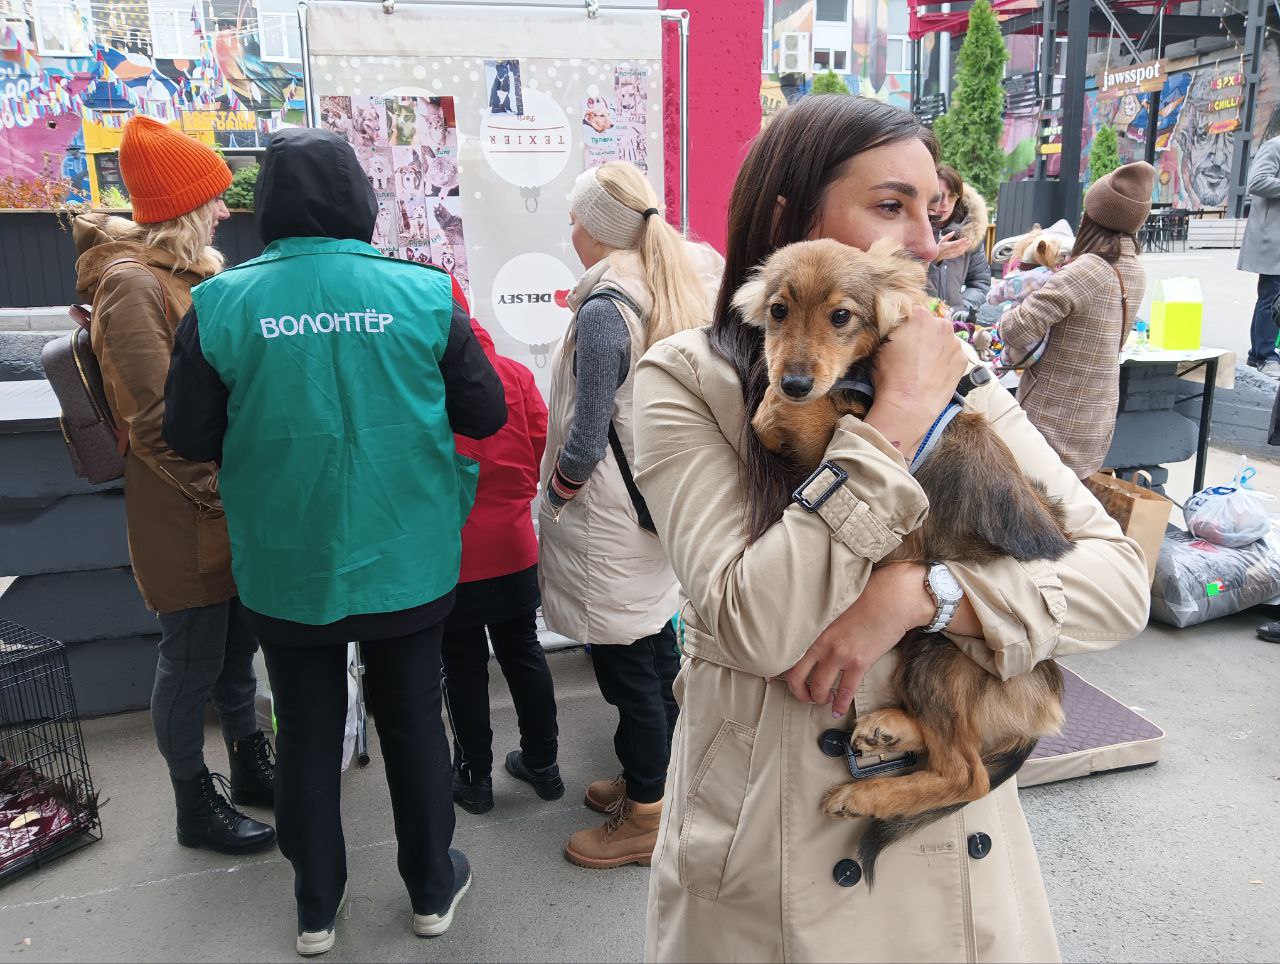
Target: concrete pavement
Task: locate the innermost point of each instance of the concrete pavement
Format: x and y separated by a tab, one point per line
1173	862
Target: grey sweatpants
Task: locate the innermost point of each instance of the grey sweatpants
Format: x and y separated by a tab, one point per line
205	653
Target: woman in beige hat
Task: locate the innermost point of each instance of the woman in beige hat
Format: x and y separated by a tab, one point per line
1085	312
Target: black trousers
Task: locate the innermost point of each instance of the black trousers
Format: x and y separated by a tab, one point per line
466	691
402	690
636	679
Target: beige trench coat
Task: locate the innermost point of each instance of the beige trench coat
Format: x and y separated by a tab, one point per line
743	870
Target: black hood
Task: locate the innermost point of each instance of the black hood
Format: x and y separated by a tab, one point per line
311	186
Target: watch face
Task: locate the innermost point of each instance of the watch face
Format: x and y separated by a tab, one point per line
944	584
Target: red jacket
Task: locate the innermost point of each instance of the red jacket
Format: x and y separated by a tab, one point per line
498	538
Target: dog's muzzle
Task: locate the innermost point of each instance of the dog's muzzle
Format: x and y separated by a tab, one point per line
797	386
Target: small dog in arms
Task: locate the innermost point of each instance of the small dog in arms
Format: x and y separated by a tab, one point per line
826	309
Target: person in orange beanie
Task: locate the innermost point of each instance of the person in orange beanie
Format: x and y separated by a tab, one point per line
138	274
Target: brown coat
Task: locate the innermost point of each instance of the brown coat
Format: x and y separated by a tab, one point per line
743	869
177	532
1073	392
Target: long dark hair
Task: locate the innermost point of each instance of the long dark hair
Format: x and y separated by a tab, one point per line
1093	238
949	176
797	157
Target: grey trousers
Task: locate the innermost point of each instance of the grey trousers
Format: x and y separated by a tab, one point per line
205	653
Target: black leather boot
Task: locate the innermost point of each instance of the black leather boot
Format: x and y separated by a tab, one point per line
545	780
253	771
207	819
473	796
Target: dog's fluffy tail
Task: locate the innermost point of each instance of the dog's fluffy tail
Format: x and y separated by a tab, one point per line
1000	765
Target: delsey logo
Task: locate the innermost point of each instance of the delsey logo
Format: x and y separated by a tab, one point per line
1134	75
560	298
370	321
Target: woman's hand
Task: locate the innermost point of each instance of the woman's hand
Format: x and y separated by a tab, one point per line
915	376
950	247
893	602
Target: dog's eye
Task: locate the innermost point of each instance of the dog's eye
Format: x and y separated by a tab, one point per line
841	317
778	311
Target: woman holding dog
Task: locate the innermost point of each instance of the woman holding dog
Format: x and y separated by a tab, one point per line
605	578
791	612
1082	317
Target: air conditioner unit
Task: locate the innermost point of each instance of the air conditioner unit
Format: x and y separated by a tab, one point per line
793	54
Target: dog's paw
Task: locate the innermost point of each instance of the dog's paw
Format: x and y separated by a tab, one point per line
768	428
841	802
885	731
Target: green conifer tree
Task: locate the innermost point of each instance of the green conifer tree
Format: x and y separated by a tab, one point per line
1104	155
971	131
829	83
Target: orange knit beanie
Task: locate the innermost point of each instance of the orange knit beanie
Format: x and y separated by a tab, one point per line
167	173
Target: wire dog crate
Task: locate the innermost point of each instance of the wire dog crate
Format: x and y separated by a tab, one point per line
48	805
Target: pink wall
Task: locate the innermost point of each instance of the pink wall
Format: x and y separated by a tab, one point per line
724	106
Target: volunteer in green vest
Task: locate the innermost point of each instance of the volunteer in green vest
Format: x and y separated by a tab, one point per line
328	380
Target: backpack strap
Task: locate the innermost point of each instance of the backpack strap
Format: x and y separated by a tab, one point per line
85	320
643	515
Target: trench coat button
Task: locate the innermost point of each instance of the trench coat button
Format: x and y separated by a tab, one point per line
847	873
834	742
979	845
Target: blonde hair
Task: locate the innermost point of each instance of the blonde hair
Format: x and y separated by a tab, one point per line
186	238
679	301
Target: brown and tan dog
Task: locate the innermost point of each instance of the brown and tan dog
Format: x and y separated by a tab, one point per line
826	307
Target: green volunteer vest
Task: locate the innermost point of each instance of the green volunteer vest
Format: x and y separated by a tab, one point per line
343	492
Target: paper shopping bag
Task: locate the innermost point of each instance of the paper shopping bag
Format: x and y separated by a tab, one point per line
1142	514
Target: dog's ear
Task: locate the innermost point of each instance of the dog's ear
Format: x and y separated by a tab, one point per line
751	300
899	280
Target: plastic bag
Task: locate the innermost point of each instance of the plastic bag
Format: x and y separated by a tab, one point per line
1198	581
1231	515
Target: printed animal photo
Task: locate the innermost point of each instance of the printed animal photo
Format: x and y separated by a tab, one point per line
441	177
503	80
437	125
825	310
402	121
419	254
335	116
369	122
414	225
448	245
597	115
385	234
410	171
631	114
379	168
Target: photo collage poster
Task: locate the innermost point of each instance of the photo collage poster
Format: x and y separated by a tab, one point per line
615	123
408	148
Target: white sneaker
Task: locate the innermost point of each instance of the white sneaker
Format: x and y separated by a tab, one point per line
1271	368
311	943
433	925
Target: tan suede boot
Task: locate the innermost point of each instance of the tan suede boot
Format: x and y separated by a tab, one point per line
603	794
628	836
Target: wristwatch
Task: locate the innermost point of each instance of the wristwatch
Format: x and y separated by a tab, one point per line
947	595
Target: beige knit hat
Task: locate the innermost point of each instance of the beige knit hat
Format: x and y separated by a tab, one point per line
1121	200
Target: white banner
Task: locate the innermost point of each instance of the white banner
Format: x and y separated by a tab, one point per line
472	123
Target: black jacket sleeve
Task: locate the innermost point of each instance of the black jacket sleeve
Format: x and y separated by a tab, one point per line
473	394
195	400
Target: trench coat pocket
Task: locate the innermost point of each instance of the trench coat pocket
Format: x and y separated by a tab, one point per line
213	547
712	809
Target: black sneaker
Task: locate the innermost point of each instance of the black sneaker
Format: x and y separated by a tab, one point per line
1270	631
474	796
433	925
546	781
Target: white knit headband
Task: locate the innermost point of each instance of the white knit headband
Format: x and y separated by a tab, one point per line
606	218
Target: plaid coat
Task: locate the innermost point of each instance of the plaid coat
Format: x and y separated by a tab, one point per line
1073	392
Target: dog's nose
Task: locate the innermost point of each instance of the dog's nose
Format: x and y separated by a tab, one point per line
797	386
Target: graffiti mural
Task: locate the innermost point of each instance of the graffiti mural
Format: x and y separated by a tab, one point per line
1198	114
221	88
